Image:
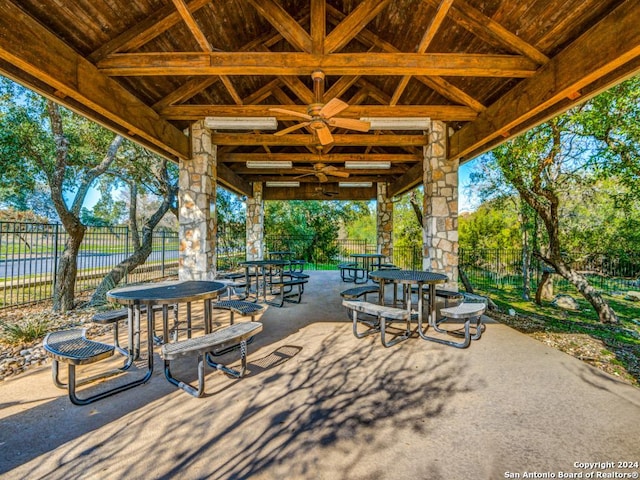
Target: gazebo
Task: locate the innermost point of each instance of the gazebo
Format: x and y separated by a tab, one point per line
288	99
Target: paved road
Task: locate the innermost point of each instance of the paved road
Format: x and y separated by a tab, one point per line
41	265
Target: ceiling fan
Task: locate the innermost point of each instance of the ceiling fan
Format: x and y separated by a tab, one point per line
321	170
321	116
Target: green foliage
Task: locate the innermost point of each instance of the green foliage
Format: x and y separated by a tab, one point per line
362	228
27	332
407	231
494	224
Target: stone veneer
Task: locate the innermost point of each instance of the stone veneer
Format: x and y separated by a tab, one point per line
385	222
255	224
440	233
197	208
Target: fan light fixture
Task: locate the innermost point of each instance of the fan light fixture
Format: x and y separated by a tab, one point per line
283	184
268	164
355	184
367	165
398	123
241	123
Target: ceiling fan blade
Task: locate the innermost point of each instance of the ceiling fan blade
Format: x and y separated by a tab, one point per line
333	107
350	123
284	131
338	173
292	113
324	135
304	175
322	177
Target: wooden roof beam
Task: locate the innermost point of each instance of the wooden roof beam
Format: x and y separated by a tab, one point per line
304	140
330	158
446	113
288	63
611	43
318	26
229	179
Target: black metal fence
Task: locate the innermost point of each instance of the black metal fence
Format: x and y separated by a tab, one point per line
30	252
29	255
503	269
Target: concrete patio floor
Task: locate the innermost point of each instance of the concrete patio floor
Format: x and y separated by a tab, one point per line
320	404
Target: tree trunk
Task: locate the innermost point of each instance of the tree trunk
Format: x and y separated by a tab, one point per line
114	277
546	277
465	280
64	292
605	312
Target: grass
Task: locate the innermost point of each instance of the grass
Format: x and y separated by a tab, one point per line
621	341
27	332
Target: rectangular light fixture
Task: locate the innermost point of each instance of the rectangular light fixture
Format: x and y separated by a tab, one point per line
283	184
367	165
398	123
355	184
241	123
268	164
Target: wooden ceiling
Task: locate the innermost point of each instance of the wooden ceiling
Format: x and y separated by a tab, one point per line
490	69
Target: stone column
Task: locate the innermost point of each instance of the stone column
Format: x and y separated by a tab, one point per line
440	208
385	222
197	206
255	224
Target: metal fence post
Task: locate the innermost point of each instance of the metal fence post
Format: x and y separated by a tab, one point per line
163	257
126	252
55	258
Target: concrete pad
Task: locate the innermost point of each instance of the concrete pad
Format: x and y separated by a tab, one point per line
320	404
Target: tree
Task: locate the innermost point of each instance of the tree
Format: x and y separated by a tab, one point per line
152	174
63	150
540	164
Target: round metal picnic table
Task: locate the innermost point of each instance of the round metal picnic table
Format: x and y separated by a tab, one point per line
407	278
261	269
164	294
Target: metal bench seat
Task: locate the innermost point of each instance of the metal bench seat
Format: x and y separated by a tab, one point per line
357	292
383	314
242	308
468	312
201	346
74	348
285	292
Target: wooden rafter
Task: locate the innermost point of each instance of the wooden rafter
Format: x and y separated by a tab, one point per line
330	158
304	140
318	26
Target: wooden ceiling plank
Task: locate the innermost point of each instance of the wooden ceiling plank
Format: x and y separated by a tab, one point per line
54	63
262	93
375	92
437	112
303	140
192	25
318	26
185	91
145	31
476	21
284	23
611	43
429	34
288	63
450	91
340	87
348	28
